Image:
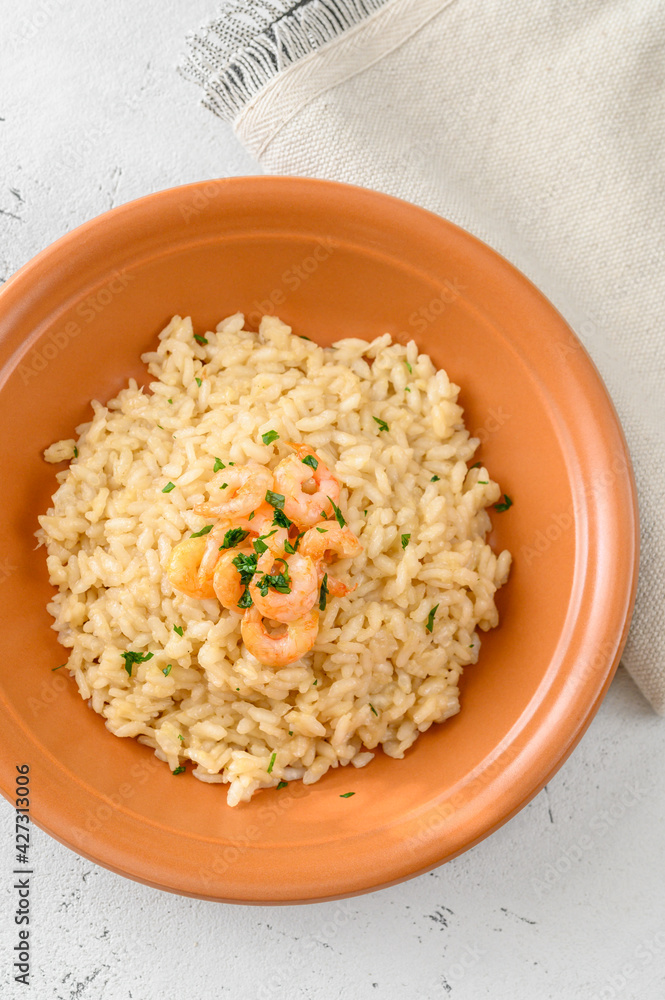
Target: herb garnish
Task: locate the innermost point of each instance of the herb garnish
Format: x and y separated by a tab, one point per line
272	762
245	563
435	479
275	500
483	482
219	465
58	668
347	795
167	670
233	537
281	520
278	581
199	339
405	540
76	452
251	515
322	531
181	738
131	658
409	367
179	770
504	504
178	629
429	625
168	488
204	531
269	437
245	602
338	513
373	709
223	486
169	401
198	382
282	784
476	465
323	593
311	461
383	426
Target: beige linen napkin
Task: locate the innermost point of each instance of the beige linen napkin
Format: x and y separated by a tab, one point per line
540	127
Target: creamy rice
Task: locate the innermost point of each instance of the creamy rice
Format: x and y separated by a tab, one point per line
376	677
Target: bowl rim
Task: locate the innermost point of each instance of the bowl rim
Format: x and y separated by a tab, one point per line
551	731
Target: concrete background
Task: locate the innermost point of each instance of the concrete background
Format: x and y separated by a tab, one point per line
566	901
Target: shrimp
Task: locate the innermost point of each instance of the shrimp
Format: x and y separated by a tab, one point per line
261	525
303	579
321	542
236	491
184	569
226	580
291	475
278	650
329	537
216	538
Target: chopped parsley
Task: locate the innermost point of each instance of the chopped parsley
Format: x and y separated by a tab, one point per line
314	683
272	762
167	670
435	479
289	548
219	465
373	709
245	602
504	504
76	452
303	337
323	531
58	668
198	382
269	437
251	515
204	531
290	732
232	463
131	658
278	581
179	770
323	593
476	465
311	461
168	488
281	520
282	784
181	738
429	624
338	514
383	426
275	500
169	401
410	369
407	388
245	563
260	546
178	629
223	486
405	540
483	482
199	339
365	513
233	537
347	795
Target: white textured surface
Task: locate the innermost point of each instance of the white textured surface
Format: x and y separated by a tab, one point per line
564	902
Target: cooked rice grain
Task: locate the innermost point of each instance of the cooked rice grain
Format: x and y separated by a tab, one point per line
375	676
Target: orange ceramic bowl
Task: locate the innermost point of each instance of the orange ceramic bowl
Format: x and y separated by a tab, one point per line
333	261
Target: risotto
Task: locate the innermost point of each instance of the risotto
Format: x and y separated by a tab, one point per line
172	669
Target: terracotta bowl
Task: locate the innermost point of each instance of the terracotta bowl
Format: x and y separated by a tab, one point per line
332	261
